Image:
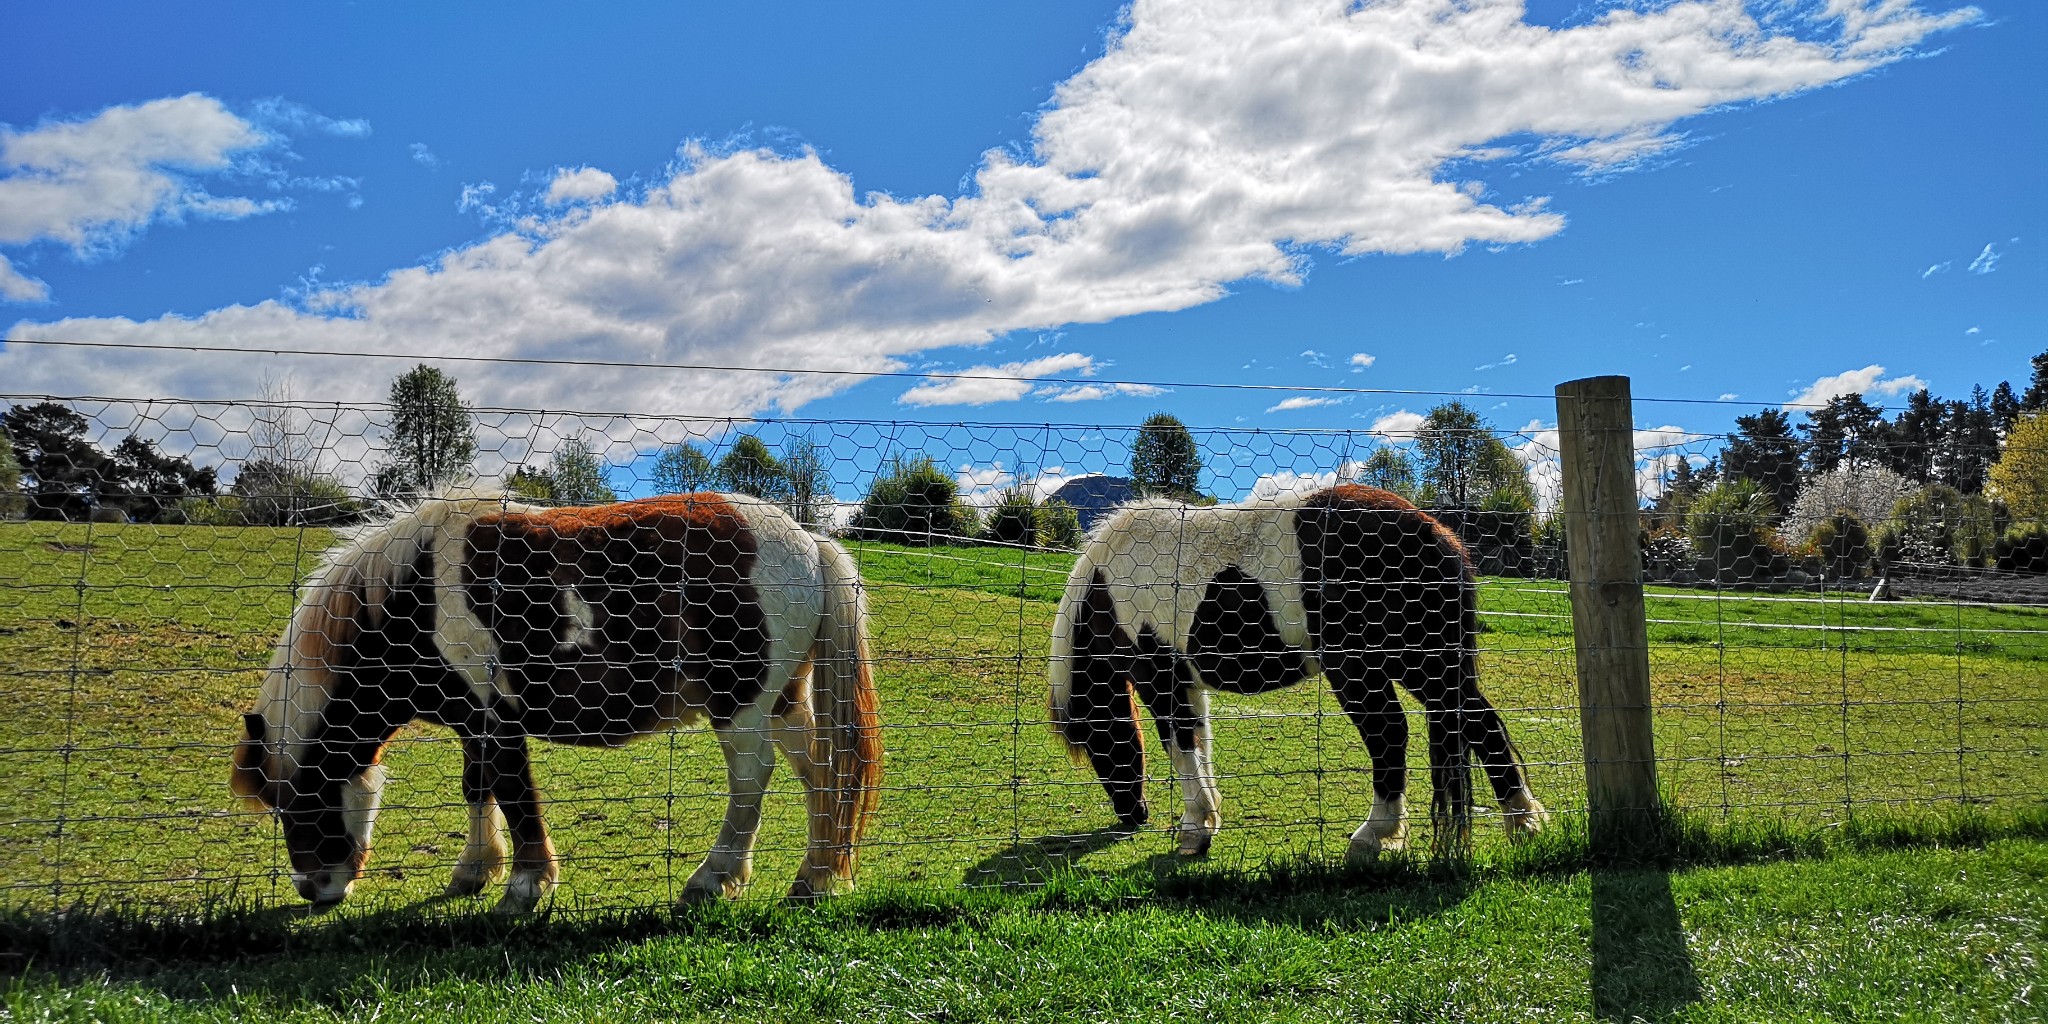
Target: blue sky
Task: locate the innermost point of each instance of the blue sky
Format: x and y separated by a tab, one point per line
1716	199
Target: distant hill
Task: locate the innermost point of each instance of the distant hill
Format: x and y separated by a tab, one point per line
1092	496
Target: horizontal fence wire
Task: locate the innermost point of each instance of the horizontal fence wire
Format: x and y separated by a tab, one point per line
1868	640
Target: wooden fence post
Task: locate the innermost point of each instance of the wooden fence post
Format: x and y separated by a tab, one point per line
1596	431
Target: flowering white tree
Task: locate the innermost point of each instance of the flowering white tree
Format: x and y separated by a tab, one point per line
1868	492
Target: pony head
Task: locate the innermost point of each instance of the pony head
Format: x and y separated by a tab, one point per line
340	683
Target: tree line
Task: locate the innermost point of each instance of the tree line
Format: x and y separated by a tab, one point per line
1846	491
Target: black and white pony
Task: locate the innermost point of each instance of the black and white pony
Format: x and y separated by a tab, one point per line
589	626
1169	600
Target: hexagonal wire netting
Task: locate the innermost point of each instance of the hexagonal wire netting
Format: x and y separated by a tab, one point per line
188	585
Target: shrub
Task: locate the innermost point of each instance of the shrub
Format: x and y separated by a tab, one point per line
1843	543
1059	525
913	501
1013	520
1730	526
2023	548
1939	525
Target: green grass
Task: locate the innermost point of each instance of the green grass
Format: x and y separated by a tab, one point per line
142	673
1866	933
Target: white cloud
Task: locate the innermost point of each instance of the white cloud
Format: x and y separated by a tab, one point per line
1303	402
1506	360
1212	142
1728	396
423	156
18	287
1866	381
1093	392
1937	268
1361	360
92	184
981	385
585	184
1974	330
1398	424
1986	261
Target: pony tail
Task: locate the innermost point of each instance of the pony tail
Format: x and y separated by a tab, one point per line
845	705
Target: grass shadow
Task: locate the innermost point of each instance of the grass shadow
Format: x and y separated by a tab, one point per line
1037	861
1642	969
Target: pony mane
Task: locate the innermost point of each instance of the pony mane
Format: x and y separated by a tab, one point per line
346	595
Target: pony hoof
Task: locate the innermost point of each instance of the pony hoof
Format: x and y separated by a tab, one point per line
1194	844
697	896
1524	818
463	885
1136	818
805	891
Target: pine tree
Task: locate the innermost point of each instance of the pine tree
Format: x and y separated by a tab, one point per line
1763	449
1165	461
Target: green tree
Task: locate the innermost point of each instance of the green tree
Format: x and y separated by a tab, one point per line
1847	430
2020	476
433	439
11	500
1389	470
1165	461
2035	399
62	473
579	477
148	484
1969	443
750	468
534	485
1461	463
808	479
1763	450
1915	437
683	467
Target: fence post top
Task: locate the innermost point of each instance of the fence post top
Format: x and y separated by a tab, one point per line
1611	385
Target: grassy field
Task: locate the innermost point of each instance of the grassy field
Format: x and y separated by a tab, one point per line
129	652
1870	934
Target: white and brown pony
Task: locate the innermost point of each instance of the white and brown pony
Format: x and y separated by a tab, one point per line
1169	600
591	626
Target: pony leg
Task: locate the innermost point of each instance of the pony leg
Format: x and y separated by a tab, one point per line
749	760
1368	697
1443	693
483	856
1180	709
794	731
1521	813
535	869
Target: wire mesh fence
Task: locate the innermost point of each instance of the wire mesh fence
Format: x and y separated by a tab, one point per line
154	556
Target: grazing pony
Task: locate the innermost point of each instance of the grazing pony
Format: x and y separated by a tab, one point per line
590	626
1169	600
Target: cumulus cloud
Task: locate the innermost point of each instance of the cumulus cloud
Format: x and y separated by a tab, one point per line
1658	452
92	184
1398	424
583	183
1869	380
1302	402
981	385
1361	360
1212	142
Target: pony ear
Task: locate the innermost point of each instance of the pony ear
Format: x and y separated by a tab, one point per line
252	726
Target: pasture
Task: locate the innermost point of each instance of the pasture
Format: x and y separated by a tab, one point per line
127	691
1814	717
